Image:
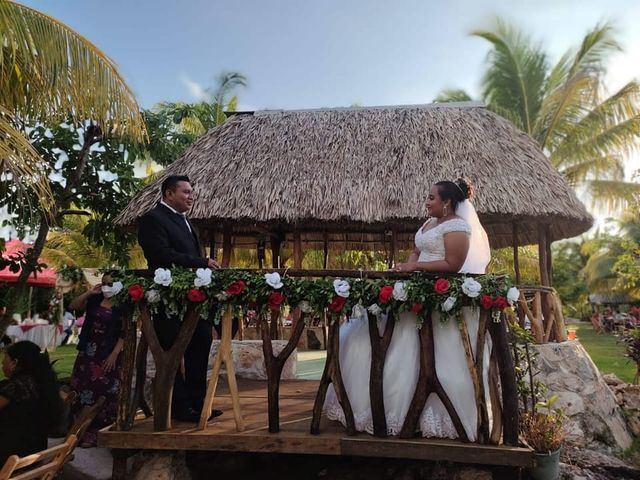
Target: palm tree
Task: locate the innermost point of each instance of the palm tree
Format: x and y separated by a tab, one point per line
196	118
49	72
585	132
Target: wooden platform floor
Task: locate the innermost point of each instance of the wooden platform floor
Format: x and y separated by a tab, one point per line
296	404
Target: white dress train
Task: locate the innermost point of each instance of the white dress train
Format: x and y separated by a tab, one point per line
402	363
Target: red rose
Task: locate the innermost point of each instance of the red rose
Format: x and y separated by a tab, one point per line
197	296
385	294
337	304
486	301
416	307
500	303
441	286
275	300
235	288
136	291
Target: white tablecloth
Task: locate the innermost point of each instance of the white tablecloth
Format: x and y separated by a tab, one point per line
45	336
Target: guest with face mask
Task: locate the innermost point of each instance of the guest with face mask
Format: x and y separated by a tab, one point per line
96	370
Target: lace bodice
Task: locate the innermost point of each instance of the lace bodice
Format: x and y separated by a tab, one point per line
431	242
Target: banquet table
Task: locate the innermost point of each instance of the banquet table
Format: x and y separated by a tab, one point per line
46	336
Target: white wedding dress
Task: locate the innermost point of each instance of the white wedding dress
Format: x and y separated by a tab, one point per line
402	363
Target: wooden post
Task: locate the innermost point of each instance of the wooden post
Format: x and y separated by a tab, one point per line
549	259
126	370
379	346
223	355
212	244
276	241
226	246
516	259
297	250
326	250
542	255
275	363
392	249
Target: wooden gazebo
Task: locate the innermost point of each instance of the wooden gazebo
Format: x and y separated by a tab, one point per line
357	178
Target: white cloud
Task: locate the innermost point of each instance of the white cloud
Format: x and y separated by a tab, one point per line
196	90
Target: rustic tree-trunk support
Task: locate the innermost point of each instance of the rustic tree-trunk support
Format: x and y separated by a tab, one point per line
126	371
167	362
427	383
379	347
332	374
275	363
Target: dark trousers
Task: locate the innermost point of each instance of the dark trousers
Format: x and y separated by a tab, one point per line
188	392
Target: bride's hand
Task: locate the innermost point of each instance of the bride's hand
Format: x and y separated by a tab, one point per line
401	267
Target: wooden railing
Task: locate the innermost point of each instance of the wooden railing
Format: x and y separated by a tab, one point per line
501	371
543	308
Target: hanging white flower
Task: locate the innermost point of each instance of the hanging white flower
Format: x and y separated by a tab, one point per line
448	304
203	277
305	307
358	312
273	280
222	296
400	291
374	309
152	295
513	295
116	287
341	287
471	288
162	276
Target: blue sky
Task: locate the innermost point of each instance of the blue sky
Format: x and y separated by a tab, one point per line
322	53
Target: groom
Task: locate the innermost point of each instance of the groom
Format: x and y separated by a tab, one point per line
168	239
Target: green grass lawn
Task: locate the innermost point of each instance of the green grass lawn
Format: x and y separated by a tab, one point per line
605	352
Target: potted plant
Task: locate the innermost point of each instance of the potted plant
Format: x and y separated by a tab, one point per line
543	430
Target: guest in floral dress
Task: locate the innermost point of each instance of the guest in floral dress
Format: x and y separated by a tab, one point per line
96	370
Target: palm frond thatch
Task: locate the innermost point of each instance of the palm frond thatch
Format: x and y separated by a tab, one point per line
354	174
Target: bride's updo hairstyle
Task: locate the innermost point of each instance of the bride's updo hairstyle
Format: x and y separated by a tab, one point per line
456	192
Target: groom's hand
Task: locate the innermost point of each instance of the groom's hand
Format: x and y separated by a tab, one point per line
212	263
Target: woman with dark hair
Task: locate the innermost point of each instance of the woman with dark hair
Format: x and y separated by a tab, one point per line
30	405
451	240
96	370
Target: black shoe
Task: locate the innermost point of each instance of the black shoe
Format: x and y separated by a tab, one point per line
192	415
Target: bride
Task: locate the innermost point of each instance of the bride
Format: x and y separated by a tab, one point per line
451	241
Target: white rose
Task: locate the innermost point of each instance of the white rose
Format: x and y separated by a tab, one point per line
163	277
222	296
513	295
116	287
203	277
400	291
341	287
448	304
375	309
305	307
273	280
471	287
152	296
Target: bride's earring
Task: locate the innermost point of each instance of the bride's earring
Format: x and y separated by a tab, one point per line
444	211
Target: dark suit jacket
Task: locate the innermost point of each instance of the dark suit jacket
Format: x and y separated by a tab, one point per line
166	240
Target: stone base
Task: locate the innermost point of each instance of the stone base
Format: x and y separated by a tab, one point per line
583	395
248	359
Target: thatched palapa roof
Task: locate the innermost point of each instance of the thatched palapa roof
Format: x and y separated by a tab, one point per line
352	174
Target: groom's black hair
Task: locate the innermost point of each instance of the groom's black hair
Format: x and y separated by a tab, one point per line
170	183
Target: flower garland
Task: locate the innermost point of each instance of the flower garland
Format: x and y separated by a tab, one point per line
244	290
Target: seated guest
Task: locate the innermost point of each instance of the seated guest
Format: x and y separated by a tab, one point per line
29	402
96	370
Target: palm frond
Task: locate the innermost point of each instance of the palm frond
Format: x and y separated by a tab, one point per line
20	164
49	71
613	195
515	77
610	167
452	95
596	46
